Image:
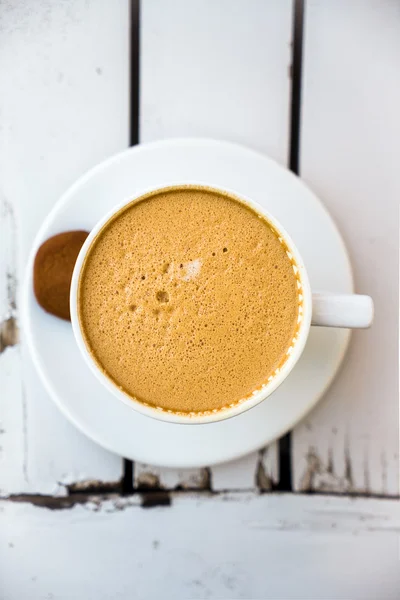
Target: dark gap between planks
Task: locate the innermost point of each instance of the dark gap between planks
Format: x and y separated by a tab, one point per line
285	443
127	478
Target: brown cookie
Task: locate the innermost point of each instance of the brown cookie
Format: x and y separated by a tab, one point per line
52	271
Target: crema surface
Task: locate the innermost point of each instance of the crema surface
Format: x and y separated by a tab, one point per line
188	300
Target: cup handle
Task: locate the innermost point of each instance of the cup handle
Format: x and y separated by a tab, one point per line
342	310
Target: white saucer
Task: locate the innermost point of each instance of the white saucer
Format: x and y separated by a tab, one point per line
115	425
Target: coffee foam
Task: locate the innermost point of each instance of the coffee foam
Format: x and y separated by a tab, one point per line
189	301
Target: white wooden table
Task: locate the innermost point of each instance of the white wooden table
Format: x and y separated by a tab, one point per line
73	518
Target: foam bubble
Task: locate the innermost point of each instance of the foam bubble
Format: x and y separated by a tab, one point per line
192	269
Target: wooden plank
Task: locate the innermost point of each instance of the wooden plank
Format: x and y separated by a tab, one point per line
219	70
12	450
227	546
63	107
350	146
13	477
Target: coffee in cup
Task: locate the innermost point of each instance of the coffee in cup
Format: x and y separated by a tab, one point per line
189	300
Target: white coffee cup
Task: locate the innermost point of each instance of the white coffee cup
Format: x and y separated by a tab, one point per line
318	308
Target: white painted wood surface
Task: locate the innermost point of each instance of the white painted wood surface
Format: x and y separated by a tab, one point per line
222	547
64	80
63	107
350	149
12	439
38	115
219	70
203	74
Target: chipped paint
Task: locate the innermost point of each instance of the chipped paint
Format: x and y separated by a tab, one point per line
196	481
156	478
155	499
263	482
9	333
94	487
320	477
108	502
148	480
8	240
